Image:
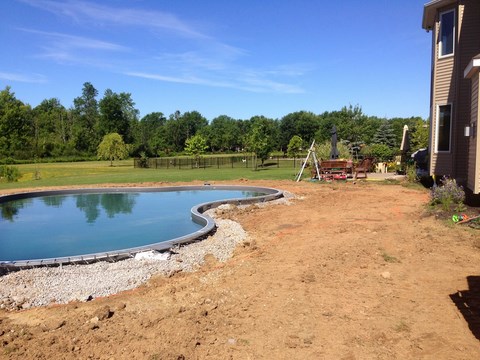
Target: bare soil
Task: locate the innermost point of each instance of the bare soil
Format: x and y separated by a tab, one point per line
347	271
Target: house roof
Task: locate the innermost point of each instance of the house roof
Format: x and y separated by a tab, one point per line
430	12
472	67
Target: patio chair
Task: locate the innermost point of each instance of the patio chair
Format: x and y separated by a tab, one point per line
362	168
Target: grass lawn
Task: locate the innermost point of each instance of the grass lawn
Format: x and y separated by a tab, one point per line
98	172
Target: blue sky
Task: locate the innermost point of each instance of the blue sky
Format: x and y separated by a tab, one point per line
218	57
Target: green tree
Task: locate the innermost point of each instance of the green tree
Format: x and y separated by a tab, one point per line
223	134
307	125
15	126
196	146
287	130
179	128
302	123
244	126
381	152
322	150
192	122
419	135
52	127
385	135
117	113
399	123
349	122
261	138
149	134
112	148
85	118
353	127
294	146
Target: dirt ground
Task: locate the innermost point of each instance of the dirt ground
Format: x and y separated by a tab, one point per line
346	271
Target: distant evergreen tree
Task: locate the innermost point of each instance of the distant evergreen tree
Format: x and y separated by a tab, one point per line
385	135
420	135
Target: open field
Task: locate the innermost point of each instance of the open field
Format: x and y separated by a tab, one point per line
347	271
98	172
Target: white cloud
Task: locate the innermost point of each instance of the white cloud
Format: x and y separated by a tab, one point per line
192	60
27	78
248	83
77	42
82	11
72	49
204	61
177	79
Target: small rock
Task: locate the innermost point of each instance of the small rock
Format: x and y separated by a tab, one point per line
18	299
121	306
53	325
103	313
386	275
308	340
60	324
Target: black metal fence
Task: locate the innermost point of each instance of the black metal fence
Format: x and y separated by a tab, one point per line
218	162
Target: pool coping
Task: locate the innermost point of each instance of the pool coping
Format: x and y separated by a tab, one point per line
197	213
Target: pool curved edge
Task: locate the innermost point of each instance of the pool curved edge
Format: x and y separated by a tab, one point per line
197	213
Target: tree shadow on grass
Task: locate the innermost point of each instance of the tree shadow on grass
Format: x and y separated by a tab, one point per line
468	302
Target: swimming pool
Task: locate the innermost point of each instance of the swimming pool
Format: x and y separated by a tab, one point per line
85	225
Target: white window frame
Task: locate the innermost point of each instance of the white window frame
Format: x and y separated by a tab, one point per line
437	125
440	44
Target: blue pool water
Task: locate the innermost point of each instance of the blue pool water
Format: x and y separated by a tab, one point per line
75	224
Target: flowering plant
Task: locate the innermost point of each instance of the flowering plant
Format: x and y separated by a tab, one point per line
448	193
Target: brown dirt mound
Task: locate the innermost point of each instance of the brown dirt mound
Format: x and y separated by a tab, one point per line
346	272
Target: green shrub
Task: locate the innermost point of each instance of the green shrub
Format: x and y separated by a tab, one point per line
323	150
381	152
411	173
9	173
143	161
8	161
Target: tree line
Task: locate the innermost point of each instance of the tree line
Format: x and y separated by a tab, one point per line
50	130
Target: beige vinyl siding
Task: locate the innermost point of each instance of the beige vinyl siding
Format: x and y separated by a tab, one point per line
473	181
476	139
469	33
450	87
466	155
443	93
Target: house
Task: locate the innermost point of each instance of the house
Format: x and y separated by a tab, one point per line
454	95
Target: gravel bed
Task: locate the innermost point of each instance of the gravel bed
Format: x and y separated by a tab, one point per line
59	285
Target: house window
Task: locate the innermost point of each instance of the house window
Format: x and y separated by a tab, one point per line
444	122
447	33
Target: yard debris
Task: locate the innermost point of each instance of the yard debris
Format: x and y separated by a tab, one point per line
463	218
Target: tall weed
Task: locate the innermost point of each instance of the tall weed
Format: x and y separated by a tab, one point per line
9	173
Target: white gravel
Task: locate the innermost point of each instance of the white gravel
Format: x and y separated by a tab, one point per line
48	285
